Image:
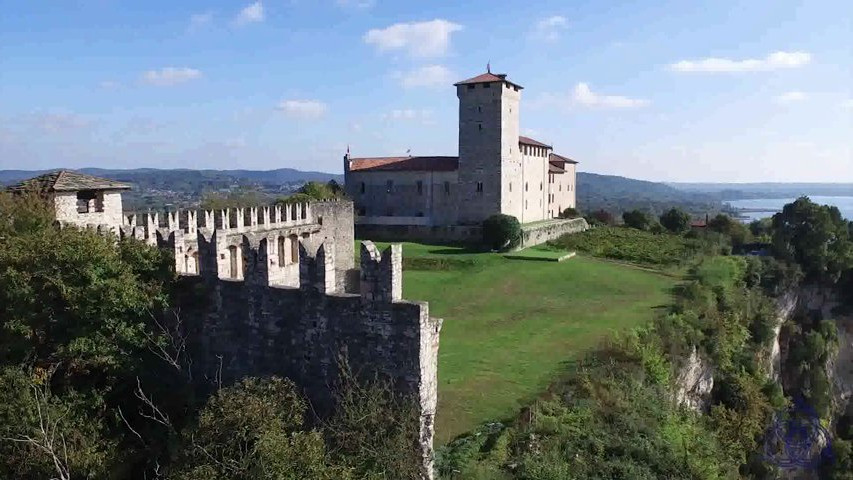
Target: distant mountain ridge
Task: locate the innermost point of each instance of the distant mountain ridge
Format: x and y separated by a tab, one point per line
265	177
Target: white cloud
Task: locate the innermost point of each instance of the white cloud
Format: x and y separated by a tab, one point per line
583	95
426	76
774	61
359	4
303	108
200	20
791	97
251	14
170	76
421	39
550	28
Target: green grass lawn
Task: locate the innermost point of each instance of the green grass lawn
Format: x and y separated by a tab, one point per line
511	326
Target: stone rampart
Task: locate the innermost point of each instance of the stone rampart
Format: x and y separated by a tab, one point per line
283	226
247	327
539	233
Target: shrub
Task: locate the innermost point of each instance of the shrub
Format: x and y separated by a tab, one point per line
501	232
570	213
675	220
637	219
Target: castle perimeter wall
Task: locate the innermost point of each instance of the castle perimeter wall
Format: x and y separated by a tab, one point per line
437	234
539	233
249	328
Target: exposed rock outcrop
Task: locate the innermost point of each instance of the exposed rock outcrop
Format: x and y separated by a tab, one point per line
694	382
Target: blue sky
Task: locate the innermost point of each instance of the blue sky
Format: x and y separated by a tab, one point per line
674	91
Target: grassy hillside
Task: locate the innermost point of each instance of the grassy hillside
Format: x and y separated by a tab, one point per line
511	326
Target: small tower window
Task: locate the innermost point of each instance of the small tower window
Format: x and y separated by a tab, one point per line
525	187
420	187
540	186
480	126
471	86
447	188
479	109
487	85
510	186
362	187
389	185
479	187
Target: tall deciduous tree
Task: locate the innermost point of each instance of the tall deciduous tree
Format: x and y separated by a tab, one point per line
814	236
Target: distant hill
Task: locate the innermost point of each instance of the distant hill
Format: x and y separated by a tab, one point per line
618	194
159	176
154	188
738	191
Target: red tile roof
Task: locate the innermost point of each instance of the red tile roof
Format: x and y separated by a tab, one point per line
487	77
529	141
417	164
559	158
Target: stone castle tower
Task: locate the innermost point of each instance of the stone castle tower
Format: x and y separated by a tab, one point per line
489	156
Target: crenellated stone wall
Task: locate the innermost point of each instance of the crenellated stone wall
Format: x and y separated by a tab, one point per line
248	327
283	226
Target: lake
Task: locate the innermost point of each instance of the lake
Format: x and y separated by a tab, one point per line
766	207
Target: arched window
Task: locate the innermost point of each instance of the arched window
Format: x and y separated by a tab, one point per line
195	263
282	251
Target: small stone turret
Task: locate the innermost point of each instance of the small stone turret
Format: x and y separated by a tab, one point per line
317	267
381	276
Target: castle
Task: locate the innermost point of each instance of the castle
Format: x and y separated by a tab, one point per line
274	291
497	170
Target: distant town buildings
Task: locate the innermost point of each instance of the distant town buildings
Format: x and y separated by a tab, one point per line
497	170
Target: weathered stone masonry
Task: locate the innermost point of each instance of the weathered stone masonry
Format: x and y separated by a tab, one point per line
249	327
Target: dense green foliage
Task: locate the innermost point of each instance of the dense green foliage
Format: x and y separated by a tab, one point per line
675	220
501	232
815	237
735	230
632	245
314	191
570	213
637	219
96	377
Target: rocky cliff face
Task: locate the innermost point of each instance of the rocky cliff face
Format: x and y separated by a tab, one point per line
786	306
694	382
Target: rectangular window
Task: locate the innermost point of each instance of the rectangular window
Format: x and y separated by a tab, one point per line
480	126
487	85
362	187
479	187
447	188
389	185
471	86
420	187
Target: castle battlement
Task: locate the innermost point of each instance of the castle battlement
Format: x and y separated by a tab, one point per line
252	327
145	226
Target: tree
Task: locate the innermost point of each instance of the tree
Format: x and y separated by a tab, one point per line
78	322
254	429
314	191
240	198
675	220
637	219
814	236
501	232
735	230
600	217
570	213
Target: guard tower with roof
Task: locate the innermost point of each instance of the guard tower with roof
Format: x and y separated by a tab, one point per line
80	199
490	166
